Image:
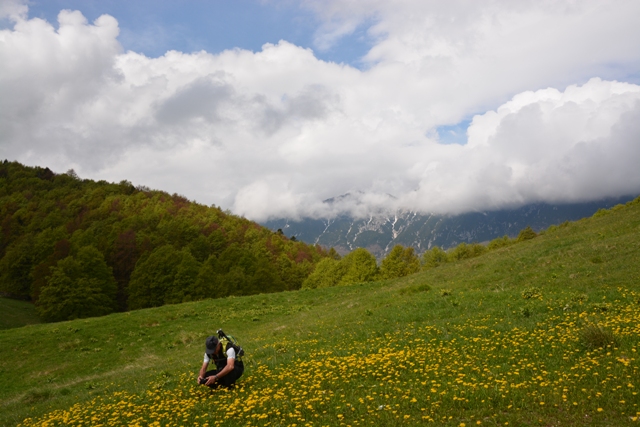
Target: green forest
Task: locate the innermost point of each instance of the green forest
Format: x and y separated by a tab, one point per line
79	248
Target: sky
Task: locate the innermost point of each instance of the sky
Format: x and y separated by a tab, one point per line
267	108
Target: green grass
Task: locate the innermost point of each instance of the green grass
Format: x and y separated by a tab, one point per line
513	336
17	313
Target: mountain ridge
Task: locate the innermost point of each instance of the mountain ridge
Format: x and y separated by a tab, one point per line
379	232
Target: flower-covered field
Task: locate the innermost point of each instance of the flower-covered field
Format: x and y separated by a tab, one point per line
483	372
544	332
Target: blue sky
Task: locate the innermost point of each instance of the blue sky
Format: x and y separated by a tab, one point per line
267	108
154	27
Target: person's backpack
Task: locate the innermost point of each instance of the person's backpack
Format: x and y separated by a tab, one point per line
230	339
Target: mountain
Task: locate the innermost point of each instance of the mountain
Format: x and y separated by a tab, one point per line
380	233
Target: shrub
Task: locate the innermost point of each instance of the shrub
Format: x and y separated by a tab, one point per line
552	228
464	251
595	336
526	234
500	242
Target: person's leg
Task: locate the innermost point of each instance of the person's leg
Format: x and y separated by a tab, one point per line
230	379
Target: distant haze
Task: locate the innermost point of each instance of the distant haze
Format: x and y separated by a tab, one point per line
455	106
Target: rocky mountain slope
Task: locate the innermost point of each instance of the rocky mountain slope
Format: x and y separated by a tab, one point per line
379	234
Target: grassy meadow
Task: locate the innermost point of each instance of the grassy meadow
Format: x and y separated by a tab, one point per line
17	313
545	332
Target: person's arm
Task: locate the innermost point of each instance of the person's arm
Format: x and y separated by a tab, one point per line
228	368
203	370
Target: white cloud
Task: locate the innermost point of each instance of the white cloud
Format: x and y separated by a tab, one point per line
13	9
576	145
274	132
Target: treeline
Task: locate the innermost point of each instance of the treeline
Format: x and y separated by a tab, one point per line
360	266
80	248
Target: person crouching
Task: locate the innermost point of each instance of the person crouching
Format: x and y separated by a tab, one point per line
223	355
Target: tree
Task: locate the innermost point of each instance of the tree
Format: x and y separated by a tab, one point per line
334	254
41	272
359	266
153	277
124	258
61	213
266	277
186	274
323	276
433	258
79	286
200	248
15	269
399	262
209	283
356	267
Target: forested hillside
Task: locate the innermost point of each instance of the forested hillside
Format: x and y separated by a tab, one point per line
80	248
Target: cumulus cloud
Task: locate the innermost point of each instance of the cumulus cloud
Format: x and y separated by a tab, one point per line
275	132
579	144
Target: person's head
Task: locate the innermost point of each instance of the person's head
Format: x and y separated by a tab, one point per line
212	344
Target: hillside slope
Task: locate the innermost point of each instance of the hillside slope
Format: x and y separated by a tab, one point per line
17	313
79	248
543	332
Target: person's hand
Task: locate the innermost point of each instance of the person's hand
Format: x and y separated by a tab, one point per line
211	380
199	379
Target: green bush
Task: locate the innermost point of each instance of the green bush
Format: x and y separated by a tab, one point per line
500	242
465	251
526	234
